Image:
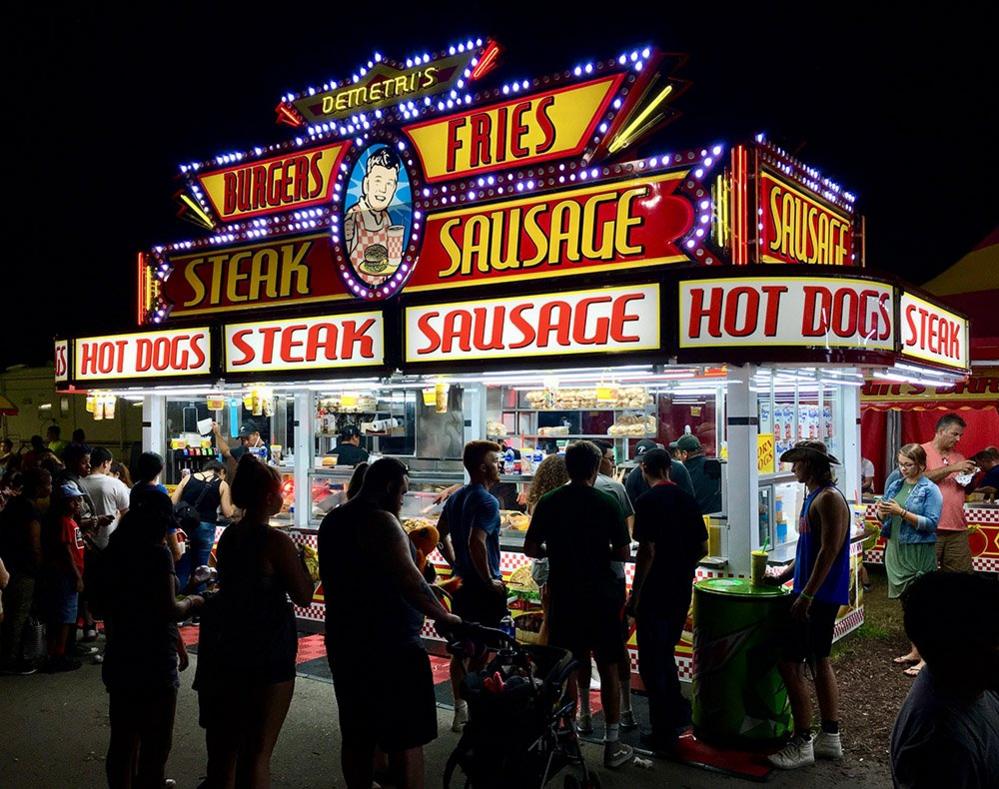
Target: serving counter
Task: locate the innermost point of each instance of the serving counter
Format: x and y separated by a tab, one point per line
983	536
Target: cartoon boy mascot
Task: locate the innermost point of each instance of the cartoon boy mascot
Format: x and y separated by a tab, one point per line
367	223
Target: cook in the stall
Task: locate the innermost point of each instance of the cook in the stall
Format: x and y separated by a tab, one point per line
348	448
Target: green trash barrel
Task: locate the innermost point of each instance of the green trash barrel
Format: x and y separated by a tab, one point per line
739	698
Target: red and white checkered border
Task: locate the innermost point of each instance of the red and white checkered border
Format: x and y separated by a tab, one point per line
848	623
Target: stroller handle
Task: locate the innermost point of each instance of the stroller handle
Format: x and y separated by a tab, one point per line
473	631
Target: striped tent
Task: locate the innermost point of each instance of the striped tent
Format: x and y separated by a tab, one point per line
971	286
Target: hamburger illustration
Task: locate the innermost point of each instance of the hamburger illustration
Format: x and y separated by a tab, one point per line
376	260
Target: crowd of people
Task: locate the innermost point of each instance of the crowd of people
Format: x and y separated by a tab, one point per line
79	544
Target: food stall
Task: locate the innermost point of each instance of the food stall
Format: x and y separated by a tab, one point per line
437	256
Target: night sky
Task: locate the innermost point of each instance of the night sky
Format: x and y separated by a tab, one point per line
103	105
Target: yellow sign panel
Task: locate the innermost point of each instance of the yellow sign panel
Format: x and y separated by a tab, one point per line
766	453
295	180
549	125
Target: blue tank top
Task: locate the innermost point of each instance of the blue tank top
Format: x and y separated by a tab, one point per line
836	588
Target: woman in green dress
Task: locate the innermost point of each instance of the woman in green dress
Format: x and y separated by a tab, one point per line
909	512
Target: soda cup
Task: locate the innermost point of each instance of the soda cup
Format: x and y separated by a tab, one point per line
759	567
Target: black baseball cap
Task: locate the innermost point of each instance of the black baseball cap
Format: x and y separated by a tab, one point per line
248	428
644	446
349	432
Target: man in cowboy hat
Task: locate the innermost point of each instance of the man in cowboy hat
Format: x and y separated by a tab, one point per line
821	572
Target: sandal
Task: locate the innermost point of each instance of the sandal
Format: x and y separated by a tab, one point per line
912	671
905	660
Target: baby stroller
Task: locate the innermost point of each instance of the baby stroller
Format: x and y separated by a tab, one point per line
520	730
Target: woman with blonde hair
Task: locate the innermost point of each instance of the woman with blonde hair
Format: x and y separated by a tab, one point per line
909	513
548	476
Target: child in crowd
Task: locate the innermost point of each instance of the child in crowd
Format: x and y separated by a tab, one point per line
63	547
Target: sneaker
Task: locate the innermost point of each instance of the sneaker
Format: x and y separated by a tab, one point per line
97	659
616	753
90	635
797	753
628	722
60	664
20	669
460	718
827	746
584	723
82	651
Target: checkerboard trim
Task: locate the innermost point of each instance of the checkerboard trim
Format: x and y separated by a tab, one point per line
848	623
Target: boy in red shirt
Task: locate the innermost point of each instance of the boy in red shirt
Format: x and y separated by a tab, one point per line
64	557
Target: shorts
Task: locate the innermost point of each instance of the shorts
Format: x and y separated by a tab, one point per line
63	600
954	551
595	629
810	640
386	699
479	604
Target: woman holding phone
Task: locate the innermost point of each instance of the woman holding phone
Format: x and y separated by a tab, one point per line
909	513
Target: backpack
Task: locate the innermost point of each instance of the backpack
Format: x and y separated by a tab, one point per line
187	515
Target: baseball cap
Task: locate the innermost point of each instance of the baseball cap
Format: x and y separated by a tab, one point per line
247	429
688	443
70	490
644	446
348	432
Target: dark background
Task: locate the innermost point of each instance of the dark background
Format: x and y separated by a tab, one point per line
104	103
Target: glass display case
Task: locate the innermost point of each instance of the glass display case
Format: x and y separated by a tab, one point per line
329	486
780	500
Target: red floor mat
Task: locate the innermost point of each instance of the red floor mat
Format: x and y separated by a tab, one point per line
742	764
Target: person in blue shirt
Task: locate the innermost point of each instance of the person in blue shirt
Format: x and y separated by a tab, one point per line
988	461
469	528
821	571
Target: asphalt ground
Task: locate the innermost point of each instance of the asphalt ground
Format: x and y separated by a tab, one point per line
55	734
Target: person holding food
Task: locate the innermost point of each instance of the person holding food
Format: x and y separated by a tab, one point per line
944	464
469	528
367	223
909	512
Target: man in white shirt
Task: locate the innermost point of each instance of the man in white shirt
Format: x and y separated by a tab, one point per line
110	495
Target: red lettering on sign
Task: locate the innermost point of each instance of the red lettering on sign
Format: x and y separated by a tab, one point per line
289	343
698	312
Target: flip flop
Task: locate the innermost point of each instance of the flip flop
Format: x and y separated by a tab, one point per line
905	661
912	671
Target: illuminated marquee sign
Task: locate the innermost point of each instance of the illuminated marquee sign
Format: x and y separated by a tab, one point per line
799	228
295	180
383	85
61	361
555	324
164	354
932	334
976	388
284	271
794	311
603	227
553	124
322	343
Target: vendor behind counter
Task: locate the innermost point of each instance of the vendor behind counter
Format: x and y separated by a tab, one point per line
348	447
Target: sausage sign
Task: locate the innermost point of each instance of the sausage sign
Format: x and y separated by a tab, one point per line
554	324
794	311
